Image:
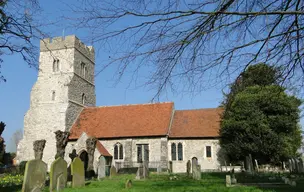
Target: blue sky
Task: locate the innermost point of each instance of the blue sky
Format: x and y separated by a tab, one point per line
15	93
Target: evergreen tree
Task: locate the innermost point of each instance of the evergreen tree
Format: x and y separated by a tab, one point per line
260	118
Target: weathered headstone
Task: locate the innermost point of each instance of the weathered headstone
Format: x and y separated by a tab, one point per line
58	174
128	184
145	169
159	169
248	164
228	180
290	165
188	167
140	172
113	171
101	167
301	166
296	165
256	165
170	167
34	176
38	146
196	174
77	170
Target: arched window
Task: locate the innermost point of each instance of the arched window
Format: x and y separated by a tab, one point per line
173	151
53	95
180	151
55	65
83	99
115	152
83	69
118	151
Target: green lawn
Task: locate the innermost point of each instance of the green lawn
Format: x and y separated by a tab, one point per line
211	182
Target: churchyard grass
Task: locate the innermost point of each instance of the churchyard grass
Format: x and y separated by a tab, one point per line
210	182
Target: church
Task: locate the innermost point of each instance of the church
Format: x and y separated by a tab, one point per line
63	98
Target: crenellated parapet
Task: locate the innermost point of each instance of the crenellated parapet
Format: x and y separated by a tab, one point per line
71	41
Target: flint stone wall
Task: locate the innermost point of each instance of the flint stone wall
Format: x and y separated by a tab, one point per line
46	116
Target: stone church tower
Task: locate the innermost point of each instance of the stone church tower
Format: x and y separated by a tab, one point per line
64	86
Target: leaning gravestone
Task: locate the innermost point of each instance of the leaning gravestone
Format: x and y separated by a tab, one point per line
77	170
101	167
188	167
196	172
58	175
34	176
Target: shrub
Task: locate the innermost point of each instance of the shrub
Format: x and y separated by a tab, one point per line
11	180
22	167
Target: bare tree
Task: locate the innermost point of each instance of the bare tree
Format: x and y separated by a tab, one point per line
186	45
16	137
18	29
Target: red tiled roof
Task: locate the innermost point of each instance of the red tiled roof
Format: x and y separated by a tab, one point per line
124	121
102	150
196	123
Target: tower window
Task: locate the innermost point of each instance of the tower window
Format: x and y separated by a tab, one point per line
83	69
83	99
56	65
53	95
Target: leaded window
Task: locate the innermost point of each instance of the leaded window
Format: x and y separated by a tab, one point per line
142	152
118	151
180	151
173	151
208	151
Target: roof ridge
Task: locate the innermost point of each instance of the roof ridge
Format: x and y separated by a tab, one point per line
104	106
199	109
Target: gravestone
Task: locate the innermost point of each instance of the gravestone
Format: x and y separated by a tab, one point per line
145	169
101	167
296	165
113	171
58	175
140	172
34	176
301	165
77	170
290	165
196	174
228	180
170	167
159	169
128	184
188	167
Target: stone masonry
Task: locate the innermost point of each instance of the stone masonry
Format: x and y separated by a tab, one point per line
58	96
